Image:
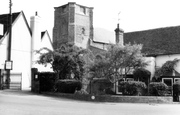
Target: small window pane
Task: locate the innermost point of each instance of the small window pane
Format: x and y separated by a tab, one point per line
168	82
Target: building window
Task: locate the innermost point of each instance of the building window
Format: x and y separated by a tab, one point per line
83	10
176	80
83	31
63	48
98	57
167	81
129	79
118	89
64	9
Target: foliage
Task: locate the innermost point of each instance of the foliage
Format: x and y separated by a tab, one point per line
166	68
118	61
47	81
81	92
141	74
67	63
68	86
133	88
158	89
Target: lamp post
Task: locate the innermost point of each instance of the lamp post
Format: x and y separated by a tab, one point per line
8	61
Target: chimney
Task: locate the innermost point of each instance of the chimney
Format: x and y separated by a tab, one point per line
36	33
36	36
119	36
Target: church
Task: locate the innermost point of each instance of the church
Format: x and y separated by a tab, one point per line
73	24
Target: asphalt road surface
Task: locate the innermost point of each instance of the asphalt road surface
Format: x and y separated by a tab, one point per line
26	103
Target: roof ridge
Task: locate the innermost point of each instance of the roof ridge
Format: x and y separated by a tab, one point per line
153	29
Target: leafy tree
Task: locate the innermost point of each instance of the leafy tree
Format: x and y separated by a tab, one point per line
67	63
118	61
167	67
141	74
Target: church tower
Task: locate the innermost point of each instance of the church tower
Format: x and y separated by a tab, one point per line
73	24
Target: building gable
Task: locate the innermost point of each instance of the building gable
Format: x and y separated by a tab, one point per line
46	40
5	20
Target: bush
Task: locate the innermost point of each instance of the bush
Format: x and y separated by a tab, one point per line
47	81
133	88
81	92
158	89
100	86
68	86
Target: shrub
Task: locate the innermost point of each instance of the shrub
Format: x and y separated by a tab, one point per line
133	88
158	89
100	85
68	86
81	92
47	81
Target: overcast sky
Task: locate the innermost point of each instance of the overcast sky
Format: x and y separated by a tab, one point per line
135	14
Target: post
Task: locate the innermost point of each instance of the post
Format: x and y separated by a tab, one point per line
9	44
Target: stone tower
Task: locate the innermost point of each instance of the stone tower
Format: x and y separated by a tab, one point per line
119	36
73	24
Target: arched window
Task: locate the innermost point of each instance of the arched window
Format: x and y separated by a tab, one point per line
63	48
98	57
83	31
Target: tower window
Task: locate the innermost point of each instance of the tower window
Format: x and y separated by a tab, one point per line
83	31
83	10
63	48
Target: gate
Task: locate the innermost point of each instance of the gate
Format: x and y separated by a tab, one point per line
15	81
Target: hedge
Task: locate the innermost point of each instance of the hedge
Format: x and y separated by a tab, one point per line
133	87
47	81
68	86
158	89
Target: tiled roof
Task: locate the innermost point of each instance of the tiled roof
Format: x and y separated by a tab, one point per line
4	19
156	41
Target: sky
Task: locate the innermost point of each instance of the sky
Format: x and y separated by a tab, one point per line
134	15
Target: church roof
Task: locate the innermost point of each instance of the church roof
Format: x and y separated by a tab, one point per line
104	36
160	41
4	19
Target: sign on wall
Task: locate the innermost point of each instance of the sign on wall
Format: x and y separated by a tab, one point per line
8	65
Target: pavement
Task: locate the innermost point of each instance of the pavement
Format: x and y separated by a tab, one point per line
28	103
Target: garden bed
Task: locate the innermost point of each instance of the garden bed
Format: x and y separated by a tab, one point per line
114	98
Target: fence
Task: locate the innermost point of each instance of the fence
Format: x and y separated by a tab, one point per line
15	81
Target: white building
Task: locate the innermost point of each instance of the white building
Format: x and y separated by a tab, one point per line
25	40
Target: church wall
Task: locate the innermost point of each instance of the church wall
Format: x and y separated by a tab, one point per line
60	30
73	24
82	29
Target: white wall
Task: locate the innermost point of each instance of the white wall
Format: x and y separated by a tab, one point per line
45	42
151	65
21	51
3	50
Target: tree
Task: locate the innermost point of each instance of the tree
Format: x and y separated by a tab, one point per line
67	63
167	67
141	74
118	61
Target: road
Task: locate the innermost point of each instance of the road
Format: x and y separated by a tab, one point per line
26	103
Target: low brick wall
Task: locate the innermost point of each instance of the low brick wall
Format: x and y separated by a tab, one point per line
114	98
